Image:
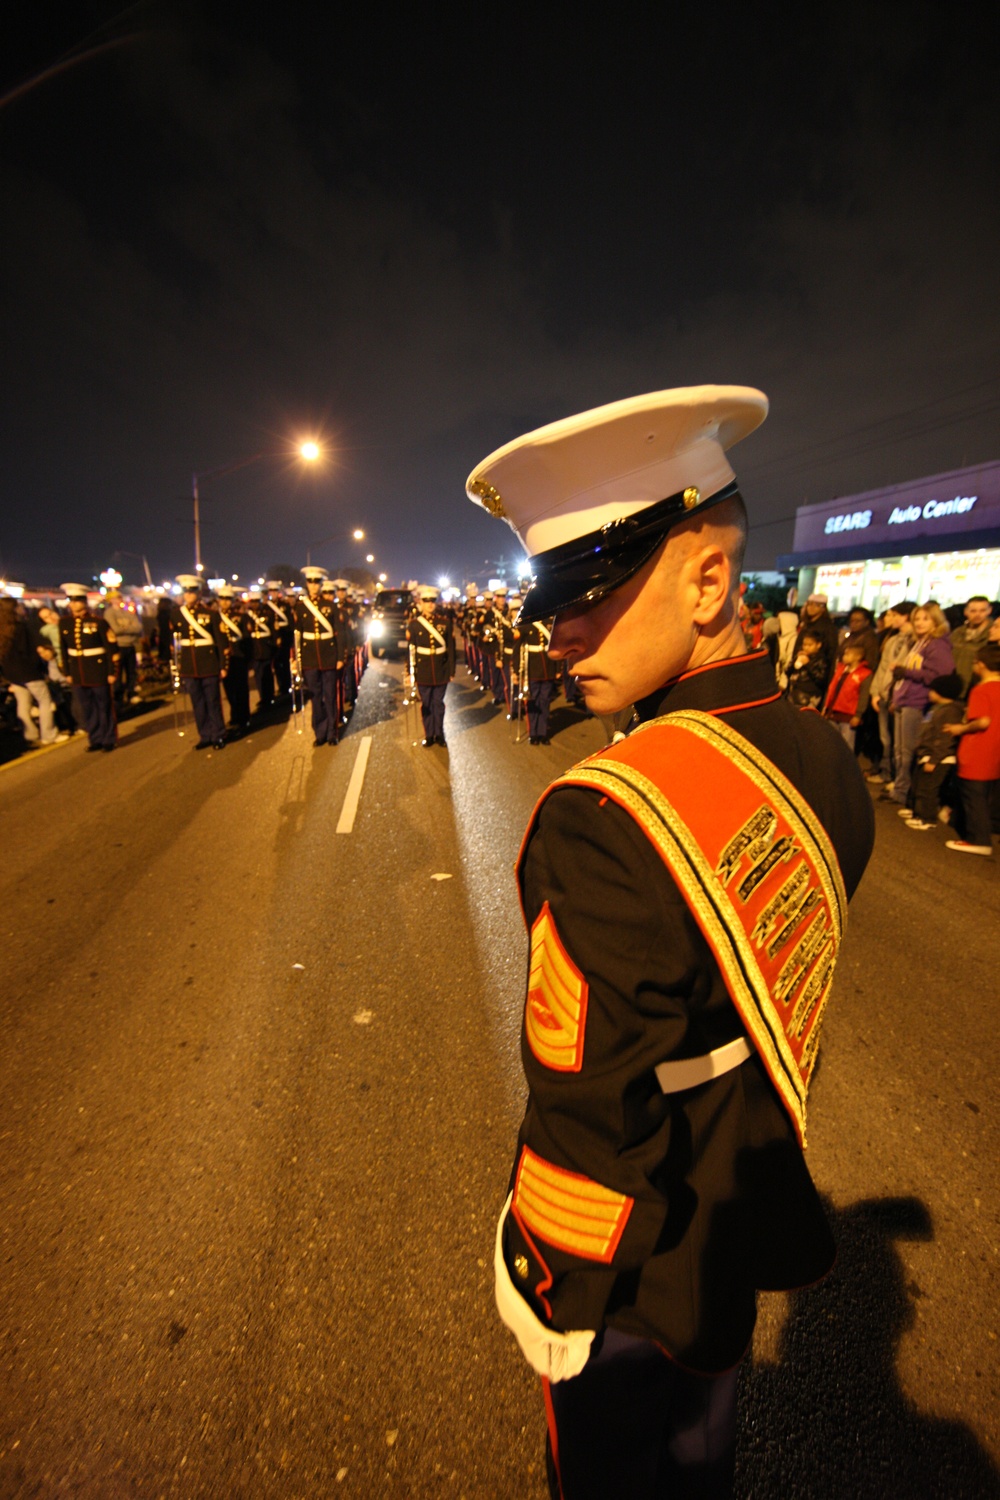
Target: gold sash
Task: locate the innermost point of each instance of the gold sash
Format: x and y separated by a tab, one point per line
755	866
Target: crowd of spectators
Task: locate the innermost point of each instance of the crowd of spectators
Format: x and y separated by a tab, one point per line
915	694
36	705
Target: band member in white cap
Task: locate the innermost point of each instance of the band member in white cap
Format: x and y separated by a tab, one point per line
432	642
685	892
319	654
202	660
239	653
90	652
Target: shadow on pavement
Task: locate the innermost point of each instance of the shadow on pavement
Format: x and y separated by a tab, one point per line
830	1419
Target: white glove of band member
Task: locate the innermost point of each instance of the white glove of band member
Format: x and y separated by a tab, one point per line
557	1356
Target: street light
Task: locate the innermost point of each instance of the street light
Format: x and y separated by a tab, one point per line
358	534
309	451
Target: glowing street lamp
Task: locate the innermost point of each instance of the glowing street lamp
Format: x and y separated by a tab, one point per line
358	534
308	450
370	557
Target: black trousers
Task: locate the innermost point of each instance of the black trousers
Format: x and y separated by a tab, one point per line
633	1423
206	705
237	684
96	712
540	695
976	816
263	676
926	787
432	708
322	687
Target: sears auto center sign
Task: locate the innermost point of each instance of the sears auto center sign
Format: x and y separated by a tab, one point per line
907	516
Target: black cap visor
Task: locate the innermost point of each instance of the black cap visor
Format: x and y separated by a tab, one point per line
587	568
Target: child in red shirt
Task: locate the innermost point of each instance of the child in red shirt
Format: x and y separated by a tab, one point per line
849	691
979	754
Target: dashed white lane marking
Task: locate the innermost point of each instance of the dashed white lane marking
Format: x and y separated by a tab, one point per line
349	811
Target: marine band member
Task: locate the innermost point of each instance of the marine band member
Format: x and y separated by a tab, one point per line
685	893
235	628
540	672
89	650
432	643
201	659
320	656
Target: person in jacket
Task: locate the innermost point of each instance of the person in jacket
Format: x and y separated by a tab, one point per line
809	672
24	659
935	752
816	617
90	652
658	1178
929	656
893	647
860	629
849	691
968	638
127	628
978	741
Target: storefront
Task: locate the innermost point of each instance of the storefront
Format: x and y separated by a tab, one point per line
935	538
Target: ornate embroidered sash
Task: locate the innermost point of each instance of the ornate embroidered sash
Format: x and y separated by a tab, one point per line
755	866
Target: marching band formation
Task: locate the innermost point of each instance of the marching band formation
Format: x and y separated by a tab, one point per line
310	644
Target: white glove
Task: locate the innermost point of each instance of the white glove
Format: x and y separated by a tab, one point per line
557	1356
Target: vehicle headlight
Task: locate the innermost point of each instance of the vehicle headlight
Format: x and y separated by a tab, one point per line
376	630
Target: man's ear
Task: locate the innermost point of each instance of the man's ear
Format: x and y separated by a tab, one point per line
712	575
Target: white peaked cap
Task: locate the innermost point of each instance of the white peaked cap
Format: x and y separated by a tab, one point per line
574	476
312	574
225	591
74	590
428	591
189	581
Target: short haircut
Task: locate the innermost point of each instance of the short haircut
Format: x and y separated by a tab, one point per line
904	607
977	599
729	519
814	635
859	609
989	655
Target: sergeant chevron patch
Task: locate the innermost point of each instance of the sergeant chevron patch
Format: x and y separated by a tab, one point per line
571	1212
555	1012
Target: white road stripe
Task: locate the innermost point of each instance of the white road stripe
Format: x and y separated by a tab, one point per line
349	811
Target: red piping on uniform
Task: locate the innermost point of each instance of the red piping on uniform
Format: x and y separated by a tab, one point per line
709	666
733	707
546	1280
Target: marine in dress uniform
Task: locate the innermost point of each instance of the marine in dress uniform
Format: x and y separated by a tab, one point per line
685	893
319	654
89	651
432	649
201	649
235	628
540	672
281	630
261	622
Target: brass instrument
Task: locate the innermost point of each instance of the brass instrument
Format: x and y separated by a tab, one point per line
297	685
179	696
520	682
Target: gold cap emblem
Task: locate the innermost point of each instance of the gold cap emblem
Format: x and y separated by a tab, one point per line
521	1266
488	497
691	497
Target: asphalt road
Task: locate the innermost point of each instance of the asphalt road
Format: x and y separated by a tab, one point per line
260	1090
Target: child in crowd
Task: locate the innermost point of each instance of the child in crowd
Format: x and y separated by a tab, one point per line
809	672
935	752
849	691
979	754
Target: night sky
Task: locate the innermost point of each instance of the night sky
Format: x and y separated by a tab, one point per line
421	237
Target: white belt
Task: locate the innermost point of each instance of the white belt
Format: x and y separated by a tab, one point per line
87	651
689	1072
316	635
195	641
431	650
534	648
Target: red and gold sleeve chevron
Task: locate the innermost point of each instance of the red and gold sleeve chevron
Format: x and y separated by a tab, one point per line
569	1211
555	1012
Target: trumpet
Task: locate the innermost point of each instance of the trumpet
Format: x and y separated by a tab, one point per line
297	686
180	706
